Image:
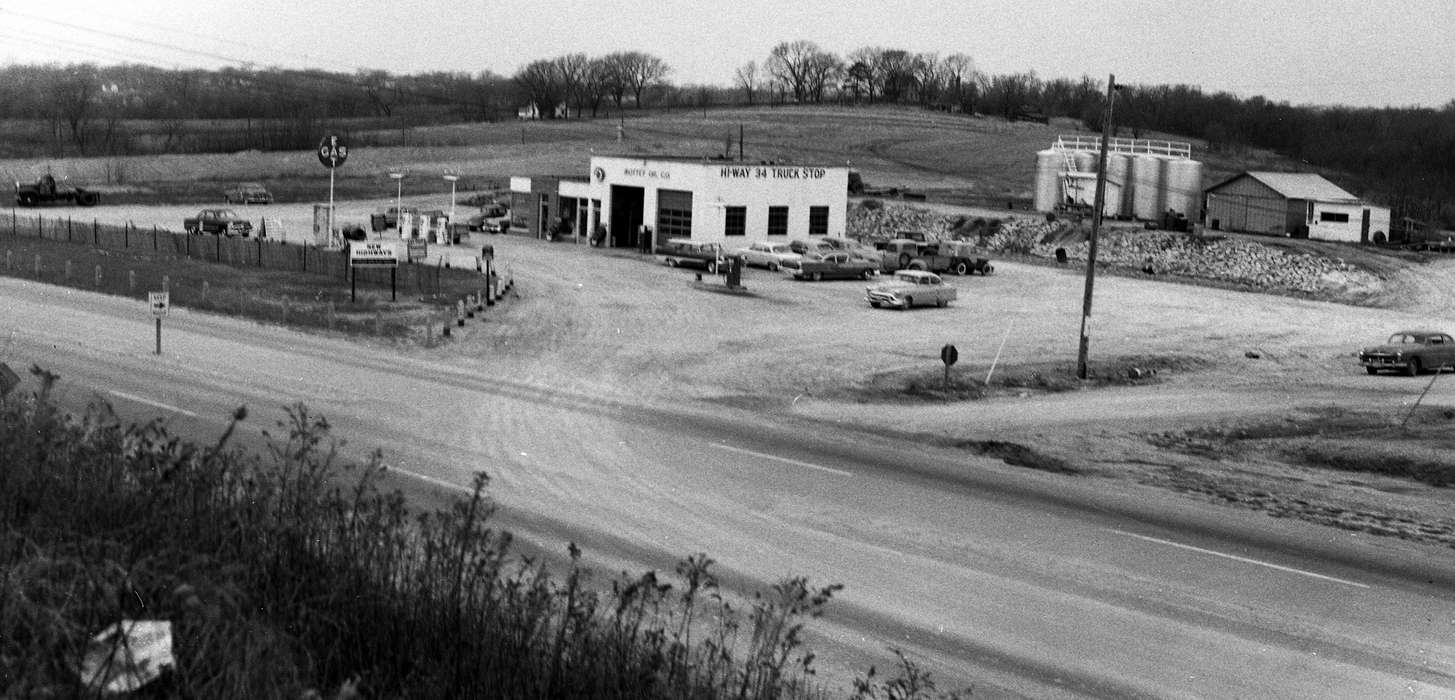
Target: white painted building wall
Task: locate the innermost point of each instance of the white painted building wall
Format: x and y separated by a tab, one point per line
716	185
1320	227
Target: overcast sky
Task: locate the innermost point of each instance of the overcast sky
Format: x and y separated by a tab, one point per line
1326	52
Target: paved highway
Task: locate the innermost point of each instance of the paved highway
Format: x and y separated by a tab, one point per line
1019	583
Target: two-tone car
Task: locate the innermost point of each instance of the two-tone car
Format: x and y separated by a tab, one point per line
1411	352
910	288
837	265
685	252
766	254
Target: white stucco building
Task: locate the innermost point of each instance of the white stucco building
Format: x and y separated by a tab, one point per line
640	200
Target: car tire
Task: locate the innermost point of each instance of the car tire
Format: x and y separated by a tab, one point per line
961	268
712	268
772	267
817	276
1372	370
903	260
671	262
1413	368
908	302
942	303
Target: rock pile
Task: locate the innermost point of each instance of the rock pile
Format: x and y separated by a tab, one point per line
1240	262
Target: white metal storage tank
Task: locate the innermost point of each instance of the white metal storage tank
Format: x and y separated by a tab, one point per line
1085	161
1183	185
1118	167
1049	164
1147	193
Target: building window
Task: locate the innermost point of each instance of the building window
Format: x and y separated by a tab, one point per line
735	221
778	221
818	221
674	214
1333	217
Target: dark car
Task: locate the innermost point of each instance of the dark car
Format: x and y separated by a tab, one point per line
689	253
1411	352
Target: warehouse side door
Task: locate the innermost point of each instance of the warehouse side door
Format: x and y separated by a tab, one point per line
626	215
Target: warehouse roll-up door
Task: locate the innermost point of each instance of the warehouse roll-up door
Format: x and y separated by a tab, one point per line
674	214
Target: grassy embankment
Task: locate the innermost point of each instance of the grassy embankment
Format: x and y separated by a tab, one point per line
289	572
310	298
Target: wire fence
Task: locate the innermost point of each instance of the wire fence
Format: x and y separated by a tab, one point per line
251	252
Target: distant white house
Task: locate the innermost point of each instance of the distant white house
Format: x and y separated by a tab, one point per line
1303	205
531	111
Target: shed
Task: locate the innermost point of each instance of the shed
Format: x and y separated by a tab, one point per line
1303	205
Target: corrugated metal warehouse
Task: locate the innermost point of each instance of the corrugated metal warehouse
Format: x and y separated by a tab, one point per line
1304	205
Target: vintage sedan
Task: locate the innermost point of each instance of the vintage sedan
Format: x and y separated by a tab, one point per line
1411	352
910	288
832	266
766	254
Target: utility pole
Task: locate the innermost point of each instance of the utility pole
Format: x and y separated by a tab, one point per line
1099	204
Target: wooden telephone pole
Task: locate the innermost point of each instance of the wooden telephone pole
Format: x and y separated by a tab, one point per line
1099	204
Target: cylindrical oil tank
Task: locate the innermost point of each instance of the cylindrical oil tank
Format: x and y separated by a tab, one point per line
1049	164
1147	192
1117	169
1183	184
1085	162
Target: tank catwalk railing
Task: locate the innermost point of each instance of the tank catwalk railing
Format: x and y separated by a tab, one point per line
1153	147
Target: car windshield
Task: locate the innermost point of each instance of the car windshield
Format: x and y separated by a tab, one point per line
226	214
1403	339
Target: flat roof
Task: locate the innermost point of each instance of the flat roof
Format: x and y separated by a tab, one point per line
711	160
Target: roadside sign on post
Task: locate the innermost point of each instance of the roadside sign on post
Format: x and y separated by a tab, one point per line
948	355
159	302
332	151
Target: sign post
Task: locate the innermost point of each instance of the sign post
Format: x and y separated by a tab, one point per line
948	355
159	302
332	152
371	254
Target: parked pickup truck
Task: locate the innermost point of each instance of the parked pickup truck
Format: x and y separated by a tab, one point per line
47	191
949	256
838	265
218	222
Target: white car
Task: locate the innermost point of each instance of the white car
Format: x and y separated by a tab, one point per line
767	254
910	288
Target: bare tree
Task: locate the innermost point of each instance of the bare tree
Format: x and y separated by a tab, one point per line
75	97
376	85
959	72
822	70
789	63
640	71
598	82
864	73
748	80
541	82
571	69
896	71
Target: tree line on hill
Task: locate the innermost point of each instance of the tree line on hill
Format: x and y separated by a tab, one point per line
1403	157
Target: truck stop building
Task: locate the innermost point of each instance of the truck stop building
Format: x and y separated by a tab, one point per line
648	199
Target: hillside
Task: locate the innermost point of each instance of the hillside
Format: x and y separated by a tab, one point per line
951	157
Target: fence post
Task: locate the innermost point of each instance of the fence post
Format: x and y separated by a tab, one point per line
154	237
95	236
68	229
37	265
260	252
98	276
131	280
126	237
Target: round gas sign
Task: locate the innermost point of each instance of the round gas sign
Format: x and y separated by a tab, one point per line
332	151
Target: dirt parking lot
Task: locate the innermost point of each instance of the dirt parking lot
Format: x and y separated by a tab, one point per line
1257	396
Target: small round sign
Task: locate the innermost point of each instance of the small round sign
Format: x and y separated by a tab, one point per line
332	151
949	355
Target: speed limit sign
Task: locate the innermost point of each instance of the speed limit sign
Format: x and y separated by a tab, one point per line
332	151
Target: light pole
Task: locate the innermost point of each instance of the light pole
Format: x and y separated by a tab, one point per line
398	200
451	221
1100	202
